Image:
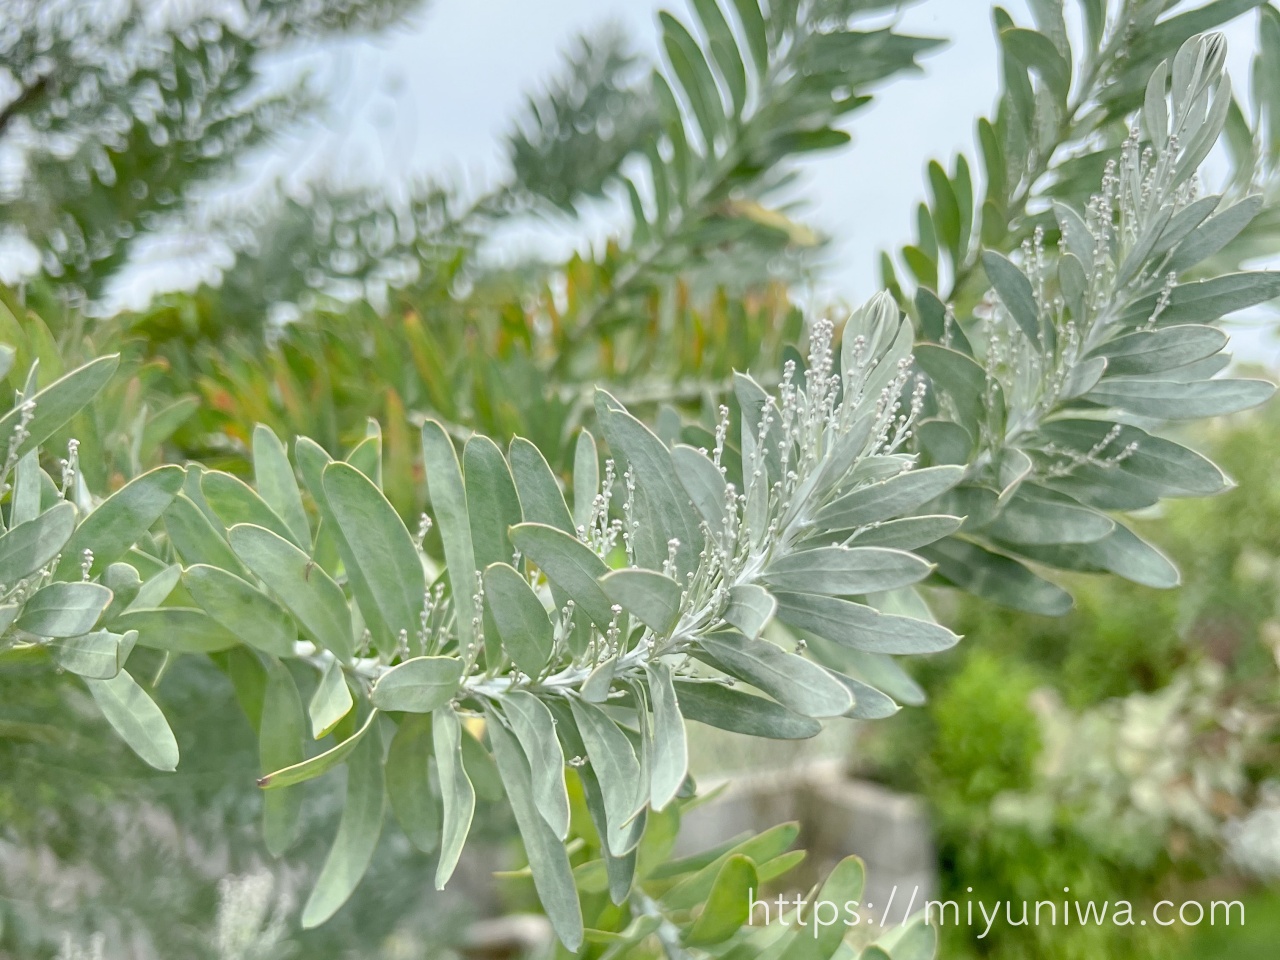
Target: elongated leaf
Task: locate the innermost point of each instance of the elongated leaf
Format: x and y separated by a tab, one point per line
358	833
331	701
890	498
280	735
750	609
552	876
670	763
534	727
380	546
844	571
1171	400
540	498
703	482
137	719
522	622
819	940
29	546
662	506
492	502
1203	301
273	475
586	479
313	767
909	533
120	521
235	502
420	685
654	599
793	681
1155	351
1122	552
1015	293
997	578
197	540
861	627
307	591
64	609
614	762
1028	519
99	655
247	612
52	407
459	797
409	782
449	502
570	565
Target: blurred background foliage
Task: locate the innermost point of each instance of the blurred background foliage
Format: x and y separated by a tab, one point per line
1121	746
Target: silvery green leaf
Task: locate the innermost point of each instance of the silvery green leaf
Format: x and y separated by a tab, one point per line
861	627
120	521
247	612
1206	369
1015	293
420	685
961	379
599	682
704	483
7	356
1075	233
1202	301
739	712
1013	466
99	655
868	702
449	503
409	783
312	459
548	861
1035	519
670	763
330	702
1197	148
1155	351
761	848
235	502
1000	579
876	339
944	441
614	762
888	499
456	792
196	539
569	564
63	609
908	533
1140	253
1084	377
137	719
29	546
24	503
379	545
1215	233
1170	468
620	870
1155	110
1074	283
273	475
307	591
793	681
1171	400
884	673
367	454
586	478
57	403
156	588
540	498
523	626
280	736
125	583
654	599
176	629
1184	222
843	570
917	940
1122	552
750	608
754	401
535	728
358	832
662	507
492	502
313	767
